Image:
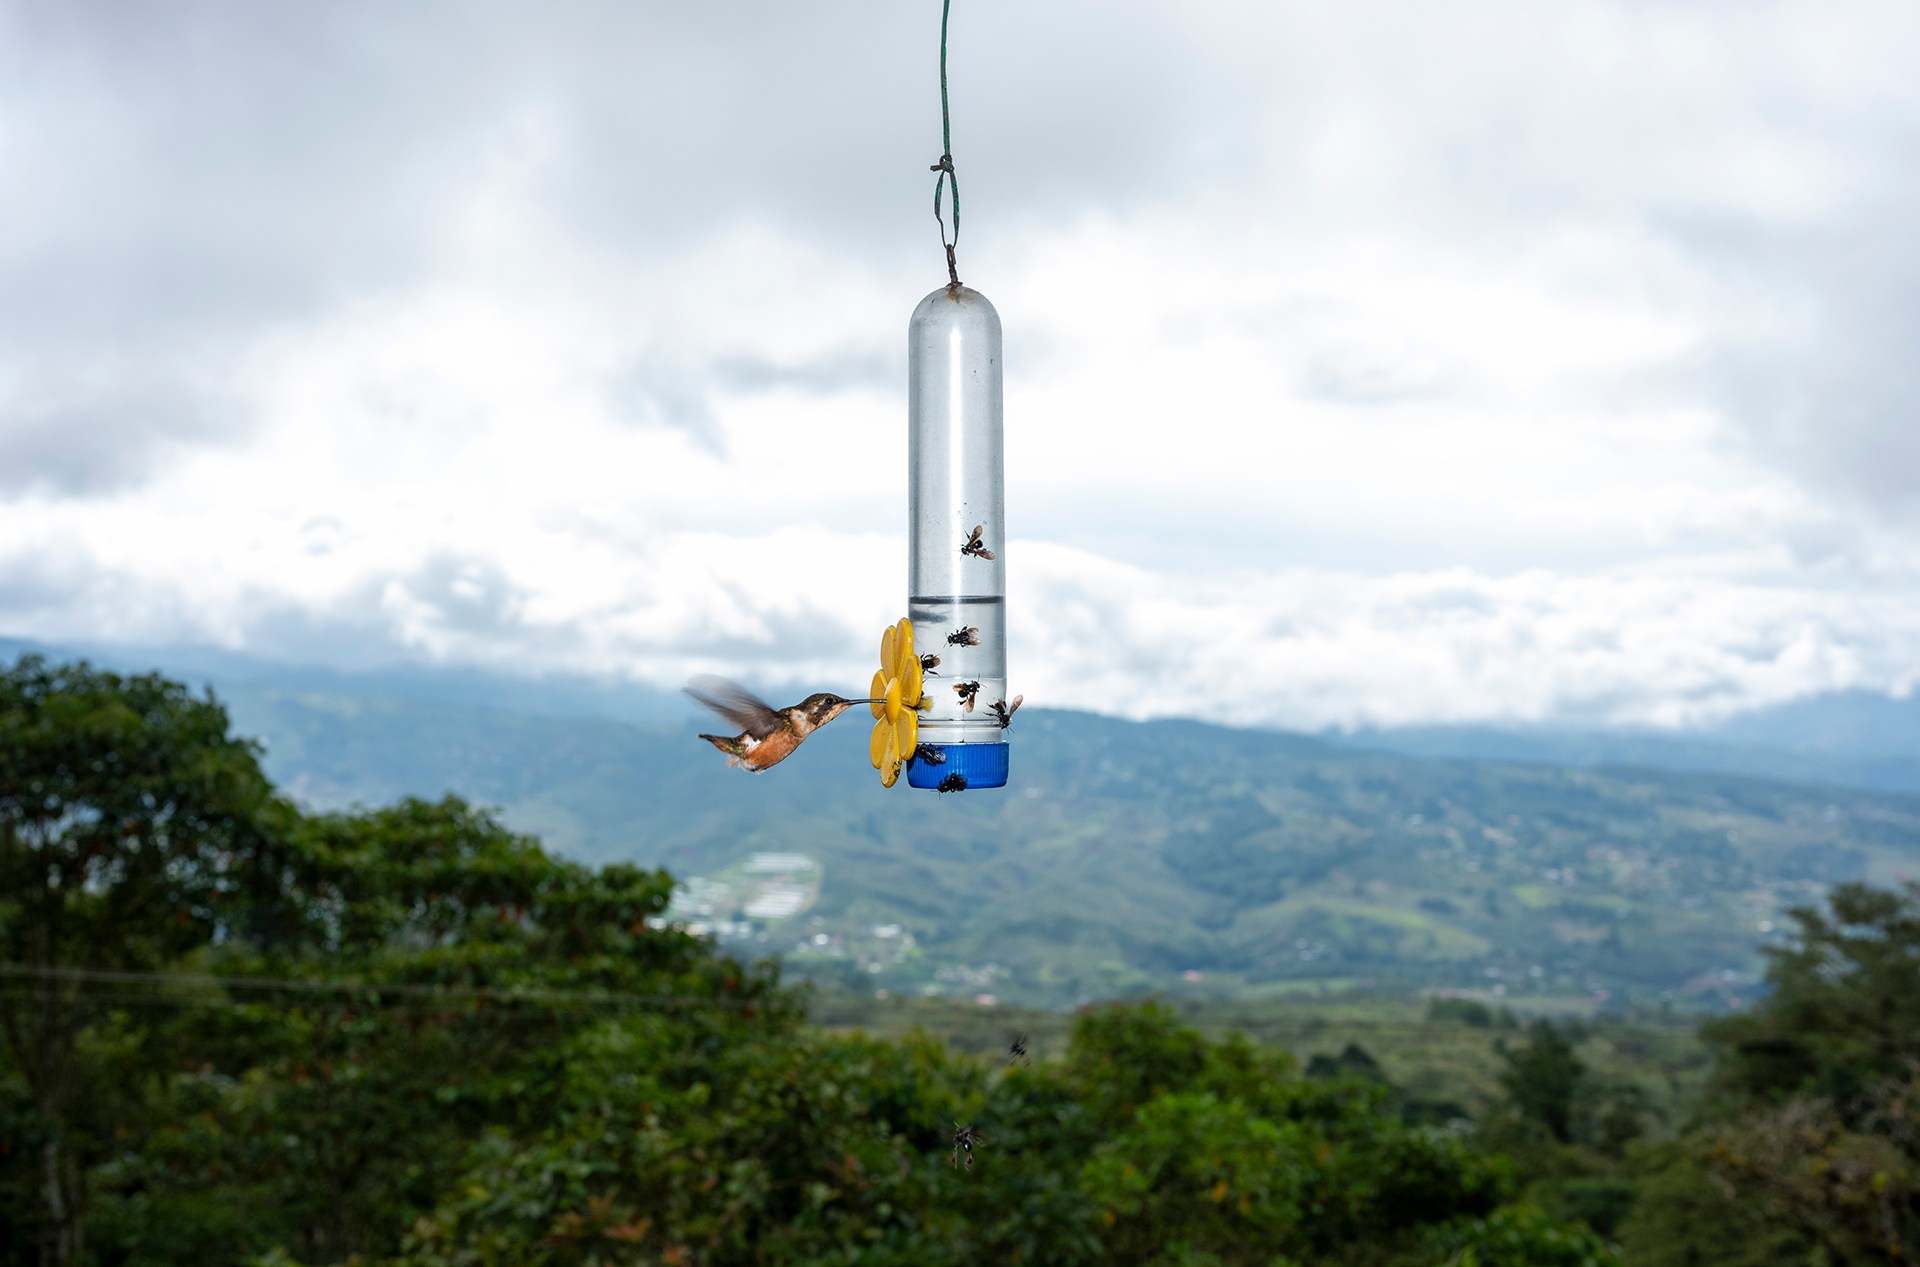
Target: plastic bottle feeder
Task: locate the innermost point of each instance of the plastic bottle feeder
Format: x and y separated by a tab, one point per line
956	546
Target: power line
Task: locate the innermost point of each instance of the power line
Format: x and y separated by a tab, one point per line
479	996
467	998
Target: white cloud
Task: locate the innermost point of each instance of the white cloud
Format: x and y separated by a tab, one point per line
1309	649
1365	365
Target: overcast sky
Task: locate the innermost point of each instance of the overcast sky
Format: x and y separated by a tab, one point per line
1366	363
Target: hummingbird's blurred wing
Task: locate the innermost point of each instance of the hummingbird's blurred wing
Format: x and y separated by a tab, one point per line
735	703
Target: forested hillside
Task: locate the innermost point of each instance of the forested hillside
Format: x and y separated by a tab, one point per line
233	1031
238	1032
1166	855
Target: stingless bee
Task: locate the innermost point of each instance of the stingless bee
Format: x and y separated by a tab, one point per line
928	753
1017	1049
968	636
955	782
964	1138
1003	712
973	546
927	662
967	691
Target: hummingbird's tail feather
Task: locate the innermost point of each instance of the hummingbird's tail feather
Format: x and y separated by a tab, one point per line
734	749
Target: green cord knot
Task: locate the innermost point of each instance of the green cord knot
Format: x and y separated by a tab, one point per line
945	165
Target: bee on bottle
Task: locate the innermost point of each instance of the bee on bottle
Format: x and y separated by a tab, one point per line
928	753
965	636
1003	712
974	547
968	692
955	782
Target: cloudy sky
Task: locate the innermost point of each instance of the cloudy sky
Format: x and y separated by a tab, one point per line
1367	363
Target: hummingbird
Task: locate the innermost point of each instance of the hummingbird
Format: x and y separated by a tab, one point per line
767	734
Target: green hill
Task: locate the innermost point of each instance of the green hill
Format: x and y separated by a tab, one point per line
1167	856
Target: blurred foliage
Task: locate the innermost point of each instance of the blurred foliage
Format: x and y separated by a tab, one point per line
409	1035
132	829
1542	1078
1844	1011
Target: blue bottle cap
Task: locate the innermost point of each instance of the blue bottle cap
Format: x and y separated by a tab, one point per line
967	766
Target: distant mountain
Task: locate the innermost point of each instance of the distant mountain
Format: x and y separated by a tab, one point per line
1847	738
1844	740
1132	856
1856	722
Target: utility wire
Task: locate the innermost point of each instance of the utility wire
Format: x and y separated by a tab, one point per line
471	995
947	175
462	998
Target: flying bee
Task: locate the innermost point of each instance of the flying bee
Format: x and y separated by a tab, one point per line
928	753
967	636
964	1138
1003	712
973	546
1017	1049
927	663
955	782
967	691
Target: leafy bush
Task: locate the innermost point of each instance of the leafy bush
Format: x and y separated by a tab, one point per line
409	1035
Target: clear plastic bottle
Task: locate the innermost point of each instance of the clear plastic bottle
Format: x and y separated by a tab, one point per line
956	583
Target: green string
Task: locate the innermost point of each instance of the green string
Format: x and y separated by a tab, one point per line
945	165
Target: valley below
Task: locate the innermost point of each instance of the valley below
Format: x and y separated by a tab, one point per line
1172	857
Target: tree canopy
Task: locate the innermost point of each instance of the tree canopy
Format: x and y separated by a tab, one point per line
410	1035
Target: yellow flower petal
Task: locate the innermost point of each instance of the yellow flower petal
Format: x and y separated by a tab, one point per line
900	688
889	761
911	681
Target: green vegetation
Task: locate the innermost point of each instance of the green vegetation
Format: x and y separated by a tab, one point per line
1809	1149
236	1032
233	1031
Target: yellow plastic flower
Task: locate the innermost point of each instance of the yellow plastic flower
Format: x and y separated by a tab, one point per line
898	696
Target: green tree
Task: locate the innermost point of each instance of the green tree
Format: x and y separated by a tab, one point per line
1543	1079
1843	1011
1233	1156
1523	1236
414	1036
803	1148
1853	1192
131	824
1812	1151
475	959
1686	1215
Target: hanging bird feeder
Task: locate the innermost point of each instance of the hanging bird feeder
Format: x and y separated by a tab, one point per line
956	542
946	665
939	700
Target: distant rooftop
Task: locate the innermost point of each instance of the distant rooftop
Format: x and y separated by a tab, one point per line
776	902
778	863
